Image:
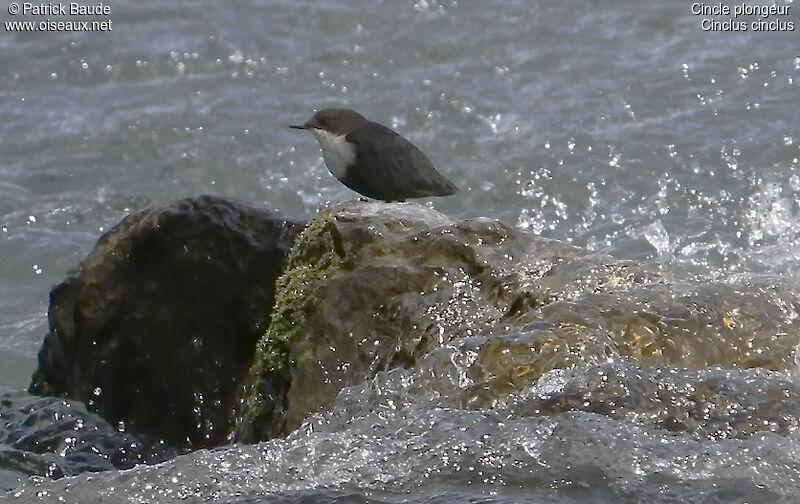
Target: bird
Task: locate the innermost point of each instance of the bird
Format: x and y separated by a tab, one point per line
373	160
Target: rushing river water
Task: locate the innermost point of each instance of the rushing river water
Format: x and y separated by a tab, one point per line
623	127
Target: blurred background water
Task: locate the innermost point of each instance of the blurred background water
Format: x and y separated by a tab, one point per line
623	127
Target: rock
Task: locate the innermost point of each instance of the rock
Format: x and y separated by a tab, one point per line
370	286
744	324
54	437
373	286
157	326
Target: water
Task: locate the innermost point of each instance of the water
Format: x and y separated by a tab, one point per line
622	127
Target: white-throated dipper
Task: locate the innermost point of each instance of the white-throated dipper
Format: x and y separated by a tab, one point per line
372	159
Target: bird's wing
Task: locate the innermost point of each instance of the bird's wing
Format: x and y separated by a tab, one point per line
384	166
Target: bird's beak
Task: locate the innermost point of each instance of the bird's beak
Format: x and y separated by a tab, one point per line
310	124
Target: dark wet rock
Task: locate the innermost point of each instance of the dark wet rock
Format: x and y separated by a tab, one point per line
55	437
157	326
374	286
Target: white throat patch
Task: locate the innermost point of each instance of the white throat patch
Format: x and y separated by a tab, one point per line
337	152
